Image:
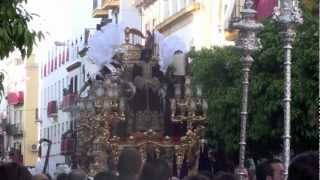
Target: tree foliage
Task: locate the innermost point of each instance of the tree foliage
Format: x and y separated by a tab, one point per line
14	30
219	70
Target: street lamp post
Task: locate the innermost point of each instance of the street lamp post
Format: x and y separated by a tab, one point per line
288	16
247	43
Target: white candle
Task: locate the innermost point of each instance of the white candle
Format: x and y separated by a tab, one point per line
172	104
199	91
179	64
188	92
177	90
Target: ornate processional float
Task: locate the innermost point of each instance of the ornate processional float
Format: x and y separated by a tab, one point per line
138	101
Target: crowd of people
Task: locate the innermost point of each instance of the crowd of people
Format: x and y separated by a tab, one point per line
130	167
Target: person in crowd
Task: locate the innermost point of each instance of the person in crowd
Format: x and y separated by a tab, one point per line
156	170
206	173
129	164
197	177
40	177
270	170
224	176
48	176
62	176
174	178
304	166
105	175
77	174
251	168
14	171
245	173
61	169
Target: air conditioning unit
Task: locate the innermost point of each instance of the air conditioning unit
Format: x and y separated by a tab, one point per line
34	148
39	120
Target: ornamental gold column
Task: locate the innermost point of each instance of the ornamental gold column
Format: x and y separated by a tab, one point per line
247	43
288	16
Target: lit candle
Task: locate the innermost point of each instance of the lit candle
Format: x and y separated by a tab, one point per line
109	92
106	104
285	4
188	91
173	105
115	93
100	92
193	106
179	64
122	105
199	91
81	105
89	106
204	106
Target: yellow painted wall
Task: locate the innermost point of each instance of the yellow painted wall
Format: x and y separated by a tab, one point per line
203	20
30	130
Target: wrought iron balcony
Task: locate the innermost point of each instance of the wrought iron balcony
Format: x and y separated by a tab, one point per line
14	130
178	16
143	3
98	11
52	109
67	146
110	4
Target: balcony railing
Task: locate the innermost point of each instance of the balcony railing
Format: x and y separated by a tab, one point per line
143	3
52	109
14	130
69	100
67	146
98	11
110	4
178	16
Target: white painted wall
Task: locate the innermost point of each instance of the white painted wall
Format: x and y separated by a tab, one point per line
53	128
186	35
129	15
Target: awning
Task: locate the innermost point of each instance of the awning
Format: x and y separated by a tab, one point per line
15	98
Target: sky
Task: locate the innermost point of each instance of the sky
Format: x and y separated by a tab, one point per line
60	20
55	17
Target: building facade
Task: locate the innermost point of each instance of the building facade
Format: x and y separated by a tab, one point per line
199	23
63	74
61	77
19	110
61	80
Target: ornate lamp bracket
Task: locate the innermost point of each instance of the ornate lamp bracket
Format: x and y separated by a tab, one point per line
247	43
288	16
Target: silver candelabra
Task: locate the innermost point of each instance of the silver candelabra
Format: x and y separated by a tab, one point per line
186	108
247	43
288	16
